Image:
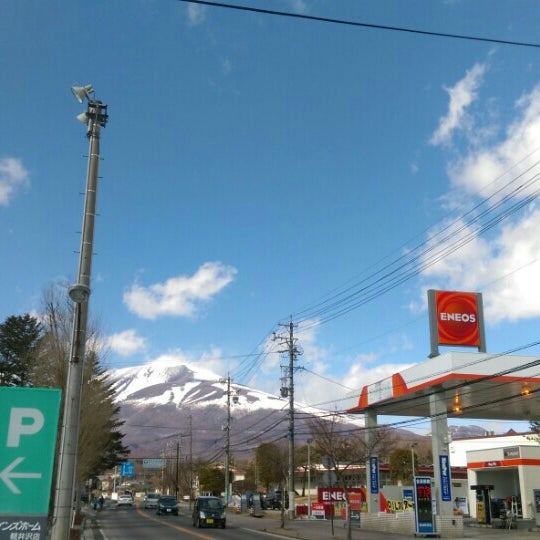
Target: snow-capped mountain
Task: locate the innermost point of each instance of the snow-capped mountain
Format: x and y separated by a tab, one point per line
161	383
163	400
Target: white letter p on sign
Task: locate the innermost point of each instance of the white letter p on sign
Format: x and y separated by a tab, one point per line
18	426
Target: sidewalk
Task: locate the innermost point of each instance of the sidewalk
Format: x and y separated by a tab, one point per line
314	529
302	529
305	529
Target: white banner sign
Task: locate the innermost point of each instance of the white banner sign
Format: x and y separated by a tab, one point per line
153	463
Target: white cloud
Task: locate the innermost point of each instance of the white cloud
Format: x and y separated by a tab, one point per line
505	268
486	170
226	66
503	264
323	383
126	343
13	175
461	96
196	14
299	6
181	295
213	361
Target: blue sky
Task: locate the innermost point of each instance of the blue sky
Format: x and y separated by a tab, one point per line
254	166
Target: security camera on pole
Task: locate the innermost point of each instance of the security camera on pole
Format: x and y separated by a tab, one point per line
95	117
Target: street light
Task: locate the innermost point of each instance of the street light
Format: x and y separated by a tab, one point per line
413	446
95	117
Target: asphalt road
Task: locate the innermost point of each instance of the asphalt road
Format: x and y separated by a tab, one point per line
137	524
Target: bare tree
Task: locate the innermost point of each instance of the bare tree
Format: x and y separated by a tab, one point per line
270	463
343	448
301	460
100	439
401	466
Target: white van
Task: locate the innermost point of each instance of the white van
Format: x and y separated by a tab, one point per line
151	500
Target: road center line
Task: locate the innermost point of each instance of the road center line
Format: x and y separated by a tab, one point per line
172	526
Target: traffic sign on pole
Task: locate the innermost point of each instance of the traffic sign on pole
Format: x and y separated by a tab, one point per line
28	426
127	468
153	463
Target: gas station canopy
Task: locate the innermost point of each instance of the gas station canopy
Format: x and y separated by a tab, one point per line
474	385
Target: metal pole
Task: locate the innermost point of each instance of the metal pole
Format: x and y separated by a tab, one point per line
96	115
309	441
291	422
227	441
190	459
177	459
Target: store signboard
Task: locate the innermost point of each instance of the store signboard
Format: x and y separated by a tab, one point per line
28	428
511	453
317	510
456	319
374	474
157	463
446	483
423	509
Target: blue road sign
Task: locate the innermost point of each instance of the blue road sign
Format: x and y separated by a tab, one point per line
127	468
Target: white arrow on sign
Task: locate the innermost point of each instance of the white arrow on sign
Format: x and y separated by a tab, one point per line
6	475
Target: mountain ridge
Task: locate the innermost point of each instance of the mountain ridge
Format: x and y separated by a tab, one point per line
164	402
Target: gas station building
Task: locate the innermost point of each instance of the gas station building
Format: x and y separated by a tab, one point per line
465	385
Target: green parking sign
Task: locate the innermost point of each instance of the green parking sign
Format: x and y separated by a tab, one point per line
28	427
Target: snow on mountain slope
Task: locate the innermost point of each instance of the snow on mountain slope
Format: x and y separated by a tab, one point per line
164	381
161	399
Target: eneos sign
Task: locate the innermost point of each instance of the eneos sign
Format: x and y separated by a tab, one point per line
457	318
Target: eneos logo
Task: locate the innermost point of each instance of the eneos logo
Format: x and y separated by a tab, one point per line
457	318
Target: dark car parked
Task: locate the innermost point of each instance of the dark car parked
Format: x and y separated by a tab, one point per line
209	511
167	504
273	500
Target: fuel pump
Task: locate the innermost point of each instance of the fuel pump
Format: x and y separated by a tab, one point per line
483	504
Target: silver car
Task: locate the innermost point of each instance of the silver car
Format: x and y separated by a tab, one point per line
125	500
151	500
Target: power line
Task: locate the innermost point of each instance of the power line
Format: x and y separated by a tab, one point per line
363	24
449	239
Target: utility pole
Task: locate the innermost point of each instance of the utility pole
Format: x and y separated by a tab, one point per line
228	442
190	459
227	429
95	117
292	358
177	460
293	351
309	441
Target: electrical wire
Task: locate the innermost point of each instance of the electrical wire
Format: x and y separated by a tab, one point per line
421	257
345	22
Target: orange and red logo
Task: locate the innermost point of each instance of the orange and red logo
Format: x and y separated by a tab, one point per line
457	318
